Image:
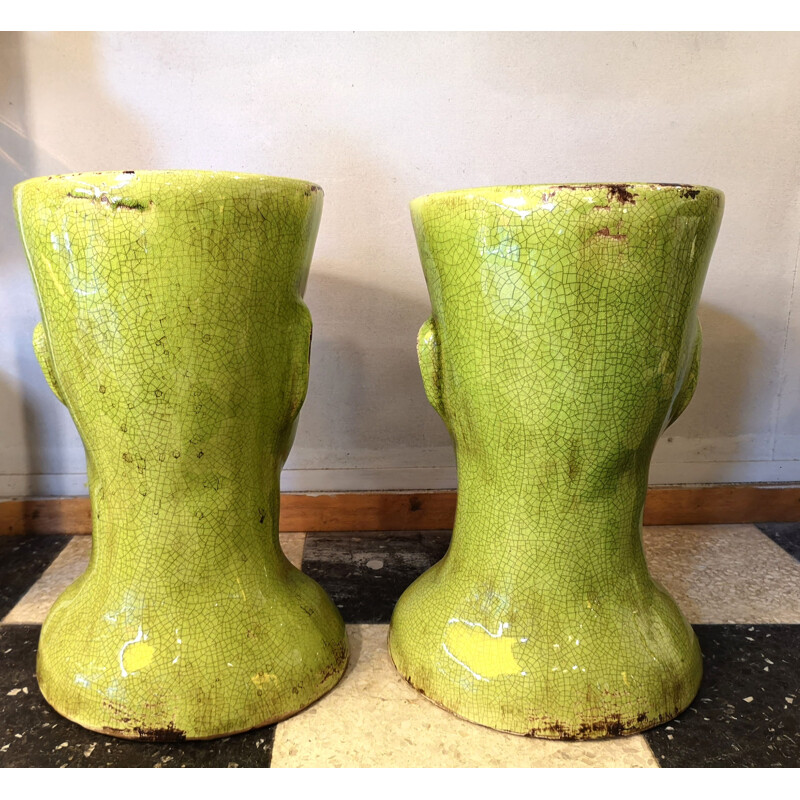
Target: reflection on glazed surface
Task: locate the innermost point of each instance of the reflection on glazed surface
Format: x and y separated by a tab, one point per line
173	328
563	341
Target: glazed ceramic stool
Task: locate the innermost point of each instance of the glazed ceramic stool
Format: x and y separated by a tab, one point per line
563	341
174	331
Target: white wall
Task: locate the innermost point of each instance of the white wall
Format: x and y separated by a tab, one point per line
378	119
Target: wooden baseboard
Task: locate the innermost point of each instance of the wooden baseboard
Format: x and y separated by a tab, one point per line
416	511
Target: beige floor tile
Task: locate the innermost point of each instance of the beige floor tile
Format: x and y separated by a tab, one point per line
73	560
373	718
725	573
293	545
67	567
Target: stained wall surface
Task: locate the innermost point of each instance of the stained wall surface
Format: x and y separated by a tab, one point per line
378	119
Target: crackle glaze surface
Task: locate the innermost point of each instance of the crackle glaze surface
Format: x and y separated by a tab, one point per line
173	328
563	341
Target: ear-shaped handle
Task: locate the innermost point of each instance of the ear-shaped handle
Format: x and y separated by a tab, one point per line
301	356
690	381
42	350
430	365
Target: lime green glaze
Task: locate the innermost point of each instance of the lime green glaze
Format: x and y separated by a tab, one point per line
563	341
173	328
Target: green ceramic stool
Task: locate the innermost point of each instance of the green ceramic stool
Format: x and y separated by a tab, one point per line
173	329
563	341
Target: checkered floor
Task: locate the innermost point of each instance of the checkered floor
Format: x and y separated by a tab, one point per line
738	584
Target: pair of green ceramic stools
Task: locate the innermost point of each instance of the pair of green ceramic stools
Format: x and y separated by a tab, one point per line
563	341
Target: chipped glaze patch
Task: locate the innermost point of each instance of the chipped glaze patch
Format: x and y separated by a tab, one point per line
563	341
483	654
174	330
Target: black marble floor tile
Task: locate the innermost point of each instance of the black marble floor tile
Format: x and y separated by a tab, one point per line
33	735
747	712
786	534
365	573
23	558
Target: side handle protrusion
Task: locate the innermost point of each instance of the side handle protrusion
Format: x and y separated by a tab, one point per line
690	381
42	350
430	365
301	357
